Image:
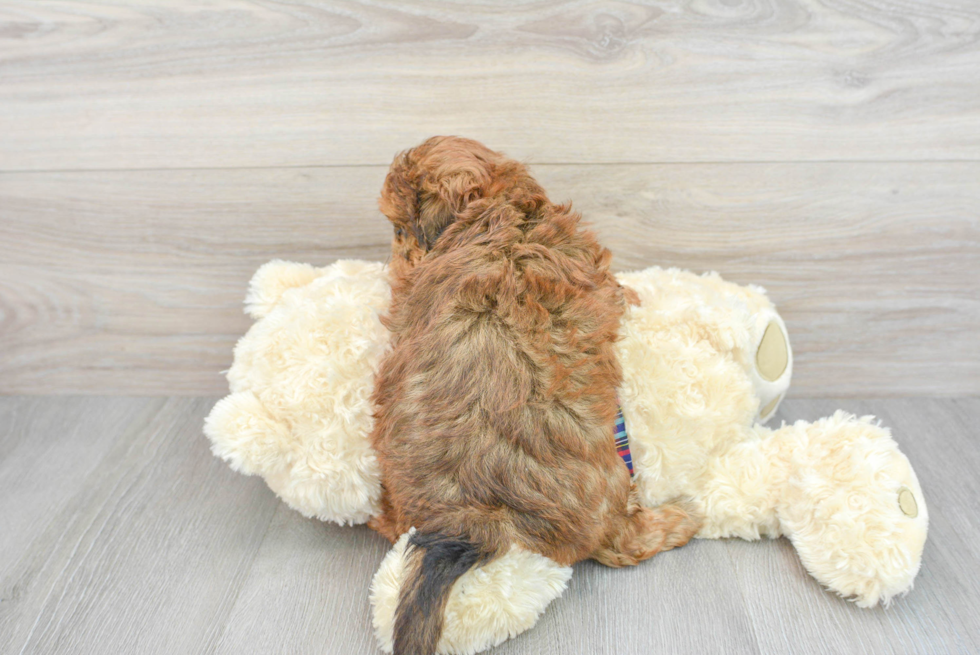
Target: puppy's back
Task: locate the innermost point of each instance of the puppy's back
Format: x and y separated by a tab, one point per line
496	403
498	397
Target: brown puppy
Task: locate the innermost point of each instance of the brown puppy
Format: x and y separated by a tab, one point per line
496	404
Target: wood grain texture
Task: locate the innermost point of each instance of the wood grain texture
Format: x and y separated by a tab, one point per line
659	606
139	545
128	536
309	581
230	83
132	281
50	450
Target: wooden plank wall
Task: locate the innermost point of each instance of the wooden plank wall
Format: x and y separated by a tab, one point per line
153	154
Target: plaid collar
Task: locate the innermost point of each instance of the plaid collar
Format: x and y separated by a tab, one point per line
623	441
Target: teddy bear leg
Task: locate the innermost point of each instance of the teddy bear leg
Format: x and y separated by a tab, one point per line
742	485
852	507
488	604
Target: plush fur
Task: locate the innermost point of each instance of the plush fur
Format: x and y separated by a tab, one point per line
300	409
691	397
490	604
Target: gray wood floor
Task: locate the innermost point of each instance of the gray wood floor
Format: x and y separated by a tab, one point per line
120	533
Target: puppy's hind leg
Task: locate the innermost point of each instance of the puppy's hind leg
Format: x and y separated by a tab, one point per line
646	531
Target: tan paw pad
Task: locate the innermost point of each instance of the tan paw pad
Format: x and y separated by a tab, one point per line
772	356
906	502
770	406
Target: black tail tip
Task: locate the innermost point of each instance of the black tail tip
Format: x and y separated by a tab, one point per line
435	562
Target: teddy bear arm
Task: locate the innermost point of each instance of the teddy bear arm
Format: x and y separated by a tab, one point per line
247	436
272	280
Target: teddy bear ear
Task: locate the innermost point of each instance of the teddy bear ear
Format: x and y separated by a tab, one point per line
271	281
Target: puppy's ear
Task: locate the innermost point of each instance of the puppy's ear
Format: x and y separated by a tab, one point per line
440	202
416	203
428	187
399	195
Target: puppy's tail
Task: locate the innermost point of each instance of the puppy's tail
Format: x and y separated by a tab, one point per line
434	563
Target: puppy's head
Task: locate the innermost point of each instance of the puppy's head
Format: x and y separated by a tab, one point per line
430	186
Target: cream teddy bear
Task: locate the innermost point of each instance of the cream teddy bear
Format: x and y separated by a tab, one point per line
705	362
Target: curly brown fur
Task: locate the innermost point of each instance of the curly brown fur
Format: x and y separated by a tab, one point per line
496	403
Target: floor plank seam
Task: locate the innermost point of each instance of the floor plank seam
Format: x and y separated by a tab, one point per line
741	595
245	574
